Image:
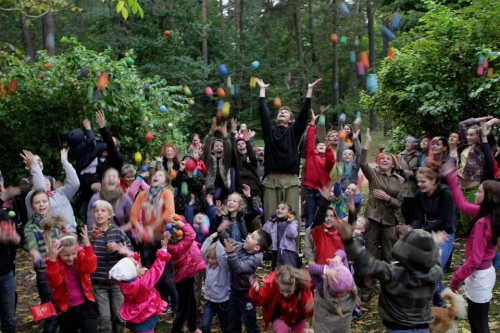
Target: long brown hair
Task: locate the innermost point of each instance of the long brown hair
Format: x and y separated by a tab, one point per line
489	209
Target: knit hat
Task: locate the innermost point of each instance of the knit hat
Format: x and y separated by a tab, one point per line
344	278
124	270
188	155
152	165
416	251
75	137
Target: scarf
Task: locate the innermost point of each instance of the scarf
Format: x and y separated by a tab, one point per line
38	220
154	203
111	196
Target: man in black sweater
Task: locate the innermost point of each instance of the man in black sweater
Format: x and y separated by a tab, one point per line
281	183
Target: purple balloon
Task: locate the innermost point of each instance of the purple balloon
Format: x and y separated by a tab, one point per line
261	211
217	193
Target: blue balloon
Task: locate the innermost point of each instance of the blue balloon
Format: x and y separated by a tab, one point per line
236	89
342	118
388	33
480	62
163	109
92	205
144	168
255	64
371	83
345	9
168	227
220	103
395	21
223	70
139	179
336	86
352	56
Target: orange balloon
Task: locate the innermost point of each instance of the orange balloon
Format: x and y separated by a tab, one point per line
490	72
173	174
291	216
221	93
179	233
12	87
342	135
2	91
166	33
103	81
363	57
176	217
277	102
390	54
334	38
47	65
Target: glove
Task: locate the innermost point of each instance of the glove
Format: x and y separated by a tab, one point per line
454	284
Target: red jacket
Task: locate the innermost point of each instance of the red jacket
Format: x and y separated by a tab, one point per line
85	264
317	168
269	298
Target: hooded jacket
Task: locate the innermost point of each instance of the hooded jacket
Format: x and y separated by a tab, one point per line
317	168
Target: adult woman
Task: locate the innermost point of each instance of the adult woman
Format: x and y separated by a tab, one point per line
424	149
385	197
409	160
440	149
454	142
129	184
112	193
435	211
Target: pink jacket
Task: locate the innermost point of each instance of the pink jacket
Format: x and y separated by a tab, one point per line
186	254
478	246
142	300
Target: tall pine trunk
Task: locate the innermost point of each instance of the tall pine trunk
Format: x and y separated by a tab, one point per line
371	54
27	42
49	32
204	32
314	58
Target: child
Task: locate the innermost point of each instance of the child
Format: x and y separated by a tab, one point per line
36	247
187	262
110	244
335	299
480	246
284	231
68	274
319	163
286	299
243	260
217	285
240	213
200	165
142	303
339	201
349	167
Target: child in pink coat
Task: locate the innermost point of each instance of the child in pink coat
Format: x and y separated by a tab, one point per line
142	302
187	262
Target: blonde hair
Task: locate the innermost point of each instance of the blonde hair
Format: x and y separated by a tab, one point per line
68	239
211	250
128	168
243	203
103	204
199	214
287	275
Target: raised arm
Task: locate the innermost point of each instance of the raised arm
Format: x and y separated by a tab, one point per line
363	161
72	182
265	117
300	123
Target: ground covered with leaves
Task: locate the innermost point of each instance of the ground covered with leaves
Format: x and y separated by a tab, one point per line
370	321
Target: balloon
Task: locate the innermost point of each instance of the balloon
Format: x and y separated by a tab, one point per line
41	76
170	125
219	115
481	60
486	62
261	211
190	165
92	205
229	82
129	61
255	64
173	174
352	56
277	102
395	21
220	104
84	73
334	38
138	157
179	233
190	101
12	214
47	65
388	33
163	109
139	179
342	118
356	42
217	193
12	86
166	33
149	136
289	77
358	114
225	109
344	8
195	172
184	189
147	87
236	89
273	216
96	96
490	72
231	90
223	70
361	68
363	57
209	92
371	83
144	168
321	120
186	90
253	83
480	70
343	40
103	81
205	230
390	54
176	217
169	227
221	93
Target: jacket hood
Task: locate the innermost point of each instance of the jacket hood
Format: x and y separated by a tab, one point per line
417	251
75	137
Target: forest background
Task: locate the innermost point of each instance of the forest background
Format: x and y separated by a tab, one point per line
432	66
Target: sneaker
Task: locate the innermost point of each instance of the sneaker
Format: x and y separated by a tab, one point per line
168	310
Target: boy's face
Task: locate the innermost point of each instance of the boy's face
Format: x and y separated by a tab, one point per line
196	154
212	261
321	148
198	219
251	244
242	147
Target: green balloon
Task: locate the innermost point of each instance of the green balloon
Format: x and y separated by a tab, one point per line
129	61
184	188
12	214
321	120
343	40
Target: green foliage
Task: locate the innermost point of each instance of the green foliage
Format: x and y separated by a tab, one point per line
432	83
49	102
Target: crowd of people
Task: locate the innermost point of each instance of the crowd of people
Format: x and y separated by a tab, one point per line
197	222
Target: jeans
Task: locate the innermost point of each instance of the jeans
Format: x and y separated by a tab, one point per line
496	261
109	300
211	309
83	317
50	324
411	330
166	285
240	309
7	302
312	201
445	248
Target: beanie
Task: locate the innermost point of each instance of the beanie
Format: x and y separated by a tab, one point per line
417	251
75	137
124	270
344	278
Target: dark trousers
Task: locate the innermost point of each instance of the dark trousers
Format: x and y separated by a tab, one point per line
187	306
166	286
49	324
478	316
83	317
211	309
408	210
240	309
312	202
8	302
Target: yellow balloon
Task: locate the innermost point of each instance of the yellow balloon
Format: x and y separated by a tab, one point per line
225	109
253	84
137	157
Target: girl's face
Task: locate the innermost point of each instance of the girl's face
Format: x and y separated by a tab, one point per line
331	219
233	203
347	130
287	291
347	156
438	147
212	261
41	204
195	141
111	180
424	143
101	216
282	211
159	178
68	255
385	163
196	154
241	146
425	184
170	153
128	179
198	219
454	139
480	195
472	136
218	149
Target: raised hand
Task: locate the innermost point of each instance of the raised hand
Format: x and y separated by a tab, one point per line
261	83
53	249
95	233
223	129
246	134
228	246
323	108
28	157
64	154
246	190
234	124
312	85
85	236
313	118
224	225
86	124
99	117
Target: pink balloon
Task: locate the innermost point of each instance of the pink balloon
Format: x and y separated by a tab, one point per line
480	70
209	92
361	68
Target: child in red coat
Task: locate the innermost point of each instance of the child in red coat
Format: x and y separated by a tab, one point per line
286	299
68	274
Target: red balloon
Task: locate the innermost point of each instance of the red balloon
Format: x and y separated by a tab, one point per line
190	165
149	137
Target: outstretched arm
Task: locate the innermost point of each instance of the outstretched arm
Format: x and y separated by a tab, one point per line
265	117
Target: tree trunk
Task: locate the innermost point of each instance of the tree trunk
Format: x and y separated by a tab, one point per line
371	54
221	14
27	42
314	58
48	33
335	65
298	38
385	40
204	32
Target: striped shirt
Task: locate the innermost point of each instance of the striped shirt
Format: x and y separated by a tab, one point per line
34	241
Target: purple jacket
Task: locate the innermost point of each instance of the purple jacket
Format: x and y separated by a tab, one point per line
287	241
